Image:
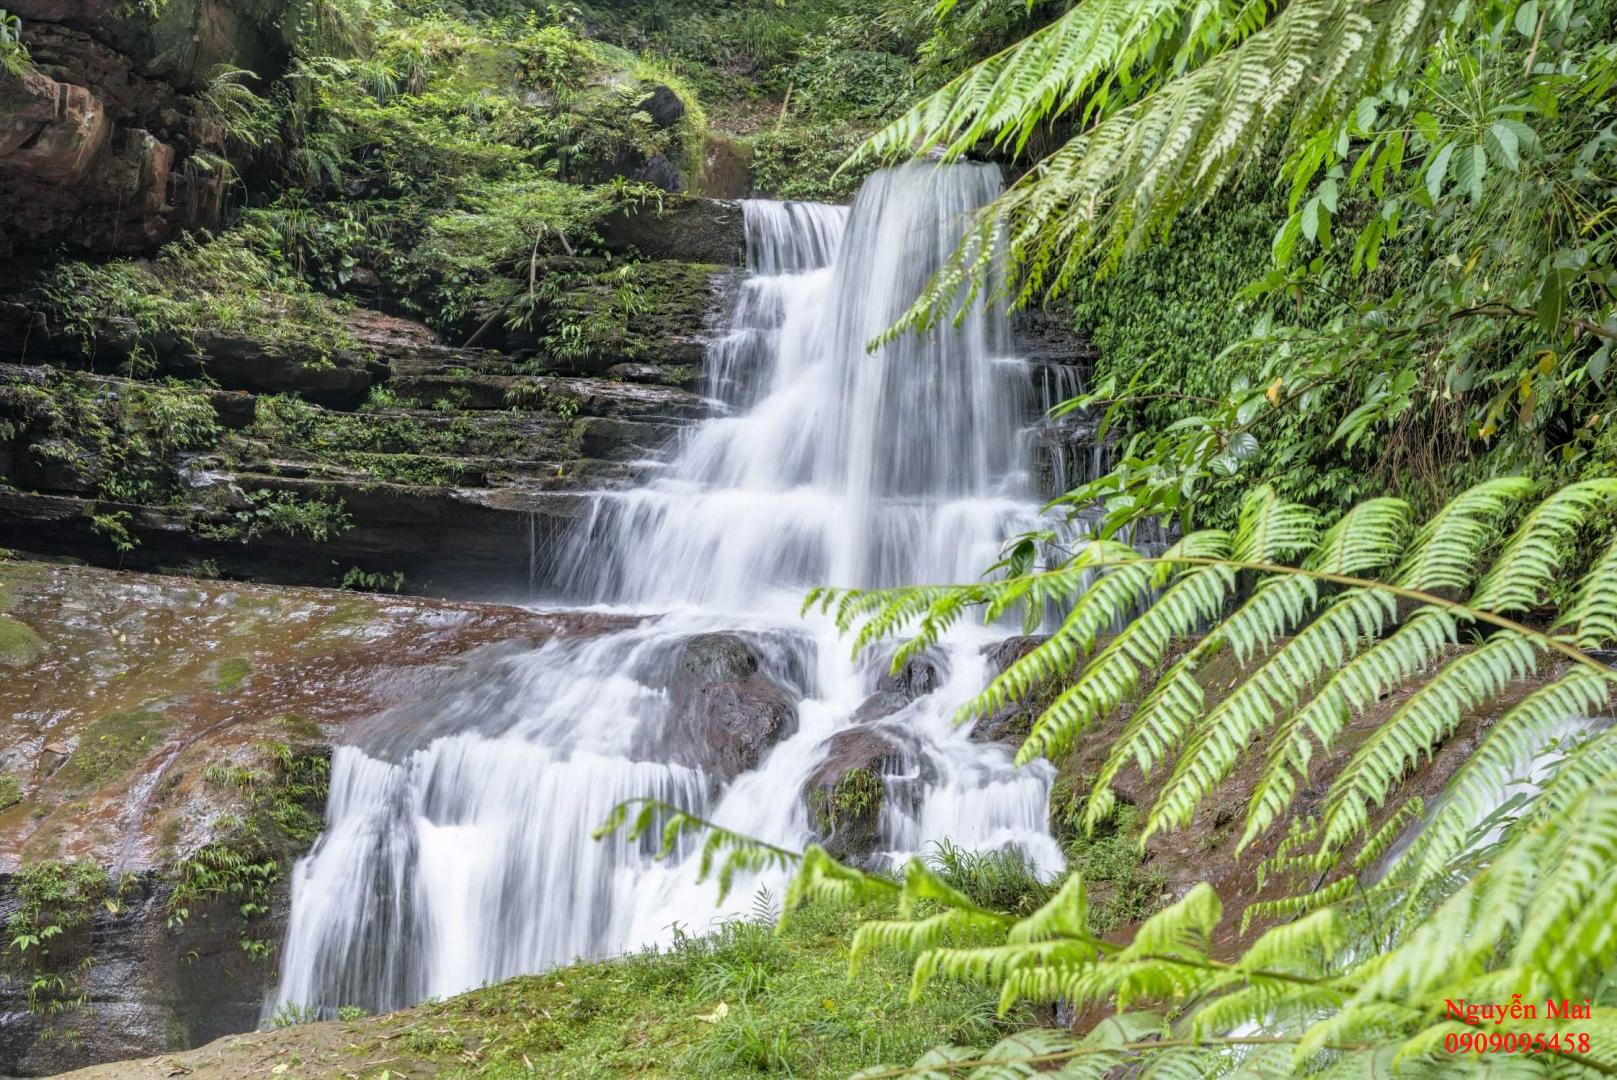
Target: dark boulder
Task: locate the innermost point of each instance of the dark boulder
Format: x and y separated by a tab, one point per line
918	677
724	713
881	704
663	106
713	658
661	173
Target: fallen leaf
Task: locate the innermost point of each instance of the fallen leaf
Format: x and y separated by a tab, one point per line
720	1011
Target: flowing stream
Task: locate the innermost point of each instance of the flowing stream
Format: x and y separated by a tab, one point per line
457	847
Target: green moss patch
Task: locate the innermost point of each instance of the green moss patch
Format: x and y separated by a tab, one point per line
231	673
19	645
10	791
112	745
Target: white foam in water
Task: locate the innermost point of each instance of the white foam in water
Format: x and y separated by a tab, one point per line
457	848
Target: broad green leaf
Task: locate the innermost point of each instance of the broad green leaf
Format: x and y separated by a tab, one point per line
1438	170
1505	144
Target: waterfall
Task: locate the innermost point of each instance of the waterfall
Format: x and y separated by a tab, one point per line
457	849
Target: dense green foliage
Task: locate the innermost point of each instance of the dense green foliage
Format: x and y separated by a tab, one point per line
1444	247
241	866
13	54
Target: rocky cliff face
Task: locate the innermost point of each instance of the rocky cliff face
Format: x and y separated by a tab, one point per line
99	137
379	452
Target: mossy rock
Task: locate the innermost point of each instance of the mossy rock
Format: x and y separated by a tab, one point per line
19	645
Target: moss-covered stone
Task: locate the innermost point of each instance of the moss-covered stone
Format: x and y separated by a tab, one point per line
19	644
232	673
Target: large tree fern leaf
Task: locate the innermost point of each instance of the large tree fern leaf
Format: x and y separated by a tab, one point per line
1354	1018
1302	948
1256	1004
1186	1063
1021	1054
1115	671
1043	75
923	1069
821	877
1417	726
1559	936
1066	914
953	928
1105	604
1358	617
1447	548
1109	1044
991	965
1511	745
1182	928
1530	560
1278	604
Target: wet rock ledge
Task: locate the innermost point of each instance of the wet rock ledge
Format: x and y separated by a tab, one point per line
161	742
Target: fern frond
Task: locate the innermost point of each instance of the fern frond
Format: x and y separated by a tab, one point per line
1447	549
1592	615
1570	929
1272	530
1273	689
1530	560
1367	537
1048	72
1356	619
728	851
1111	675
1511	744
1417	726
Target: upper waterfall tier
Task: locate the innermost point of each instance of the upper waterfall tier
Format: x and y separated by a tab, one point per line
832	462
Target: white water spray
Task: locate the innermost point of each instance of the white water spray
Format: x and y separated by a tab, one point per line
457	848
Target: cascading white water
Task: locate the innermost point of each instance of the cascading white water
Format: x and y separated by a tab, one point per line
457	848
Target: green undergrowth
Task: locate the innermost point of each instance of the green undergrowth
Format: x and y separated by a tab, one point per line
627	311
231	284
52	904
801	160
315	517
118	440
740	1001
389	446
440	166
282	793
